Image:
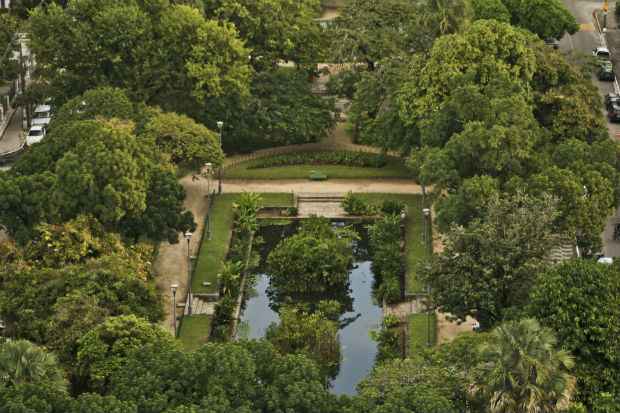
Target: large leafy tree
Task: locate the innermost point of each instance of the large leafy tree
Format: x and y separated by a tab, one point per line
489	106
546	18
273	29
411	385
161	53
185	140
244	377
312	334
32	300
580	301
368	31
106	348
314	260
102	174
487	268
280	110
523	370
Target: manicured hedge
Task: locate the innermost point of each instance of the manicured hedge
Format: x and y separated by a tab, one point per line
345	158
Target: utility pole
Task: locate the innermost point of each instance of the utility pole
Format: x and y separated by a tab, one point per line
605	10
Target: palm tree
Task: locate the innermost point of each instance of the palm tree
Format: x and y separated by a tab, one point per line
523	371
22	362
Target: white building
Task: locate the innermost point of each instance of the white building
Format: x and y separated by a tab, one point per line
4	4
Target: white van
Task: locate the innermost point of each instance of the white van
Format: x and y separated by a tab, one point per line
42	115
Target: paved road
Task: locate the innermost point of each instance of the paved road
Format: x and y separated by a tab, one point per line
584	41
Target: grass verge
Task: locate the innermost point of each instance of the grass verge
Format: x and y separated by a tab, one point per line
213	251
395	168
415	250
418	331
194	331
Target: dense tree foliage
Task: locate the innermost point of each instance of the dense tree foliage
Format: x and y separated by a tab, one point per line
314	260
243	377
281	110
108	158
273	30
185	140
546	18
105	349
488	268
57	306
163	54
312	334
512	130
580	301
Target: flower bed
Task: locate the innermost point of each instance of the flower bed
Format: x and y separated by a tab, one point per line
345	158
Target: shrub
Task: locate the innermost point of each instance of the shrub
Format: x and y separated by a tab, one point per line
388	339
290	212
387	265
343	83
317	176
392	207
355	205
345	158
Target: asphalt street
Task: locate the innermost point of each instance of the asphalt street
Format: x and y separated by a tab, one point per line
586	39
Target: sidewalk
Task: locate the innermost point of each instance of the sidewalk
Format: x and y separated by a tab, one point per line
12	139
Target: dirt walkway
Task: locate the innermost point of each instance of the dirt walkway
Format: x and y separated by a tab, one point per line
171	263
395	186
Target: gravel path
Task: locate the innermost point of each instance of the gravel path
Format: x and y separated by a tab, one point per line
171	263
395	186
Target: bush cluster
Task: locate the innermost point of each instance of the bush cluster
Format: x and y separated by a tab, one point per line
355	205
345	158
387	265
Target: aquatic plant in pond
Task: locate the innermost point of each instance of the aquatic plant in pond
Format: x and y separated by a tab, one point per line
314	260
353	321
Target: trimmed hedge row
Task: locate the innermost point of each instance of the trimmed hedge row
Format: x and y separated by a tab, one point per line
345	158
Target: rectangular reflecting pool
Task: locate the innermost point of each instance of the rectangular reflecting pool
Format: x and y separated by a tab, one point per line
357	349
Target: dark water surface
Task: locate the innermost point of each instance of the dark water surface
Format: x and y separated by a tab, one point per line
357	349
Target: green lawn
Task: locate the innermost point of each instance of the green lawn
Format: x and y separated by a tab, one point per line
395	168
414	238
418	331
213	252
194	331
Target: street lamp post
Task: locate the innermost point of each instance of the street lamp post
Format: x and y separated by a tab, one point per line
173	288
208	169
188	237
220	125
429	246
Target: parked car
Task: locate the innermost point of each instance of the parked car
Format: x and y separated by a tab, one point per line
613	113
35	134
42	115
550	41
602	53
611	99
605	260
606	71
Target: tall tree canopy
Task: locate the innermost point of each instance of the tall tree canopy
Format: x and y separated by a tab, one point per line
488	268
489	106
546	18
162	53
273	29
580	301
